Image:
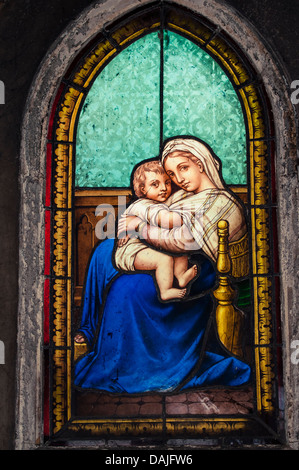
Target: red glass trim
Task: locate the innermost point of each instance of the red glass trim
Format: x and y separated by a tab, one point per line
47	242
48	175
53	112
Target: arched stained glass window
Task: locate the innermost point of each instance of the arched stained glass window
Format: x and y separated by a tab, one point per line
158	73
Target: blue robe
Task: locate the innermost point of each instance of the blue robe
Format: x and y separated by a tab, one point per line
140	344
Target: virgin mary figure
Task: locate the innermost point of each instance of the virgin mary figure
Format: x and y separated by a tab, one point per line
137	343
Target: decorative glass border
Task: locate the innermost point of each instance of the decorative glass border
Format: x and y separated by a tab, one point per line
59	214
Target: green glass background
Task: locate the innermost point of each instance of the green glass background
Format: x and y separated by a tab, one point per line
119	124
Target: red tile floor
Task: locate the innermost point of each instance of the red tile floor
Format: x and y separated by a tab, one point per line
197	402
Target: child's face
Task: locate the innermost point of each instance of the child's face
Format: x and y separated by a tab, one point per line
157	187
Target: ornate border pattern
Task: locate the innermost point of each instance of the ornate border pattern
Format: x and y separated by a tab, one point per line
76	86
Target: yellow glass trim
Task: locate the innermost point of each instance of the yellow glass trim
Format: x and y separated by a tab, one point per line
65	114
69	241
258	131
99	65
74	116
133	36
94	57
61	176
260	242
264	380
212	50
252	187
59	305
134	28
182	30
248	113
263	336
98	54
117	420
115	427
188	25
199	426
253	245
138	33
207	426
70	179
229	58
256	312
227	66
264	306
103	192
259	152
62	389
256	127
69	313
59	402
60	248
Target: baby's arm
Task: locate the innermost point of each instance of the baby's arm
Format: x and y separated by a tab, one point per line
161	216
155	214
168	219
137	209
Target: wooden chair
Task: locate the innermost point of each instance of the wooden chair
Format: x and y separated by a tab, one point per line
232	264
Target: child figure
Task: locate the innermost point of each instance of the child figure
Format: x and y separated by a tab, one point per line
153	187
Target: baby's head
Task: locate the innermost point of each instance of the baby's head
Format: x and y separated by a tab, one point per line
150	181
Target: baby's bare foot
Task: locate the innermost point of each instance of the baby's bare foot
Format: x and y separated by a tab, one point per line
173	294
188	276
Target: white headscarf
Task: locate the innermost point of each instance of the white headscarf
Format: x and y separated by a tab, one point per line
210	164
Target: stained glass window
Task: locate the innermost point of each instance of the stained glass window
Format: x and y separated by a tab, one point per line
159	74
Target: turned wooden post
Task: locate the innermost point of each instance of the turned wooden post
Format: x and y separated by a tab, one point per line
229	320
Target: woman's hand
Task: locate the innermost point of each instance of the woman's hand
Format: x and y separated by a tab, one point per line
127	225
122	241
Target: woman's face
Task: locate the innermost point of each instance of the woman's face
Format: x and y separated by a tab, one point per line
183	171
